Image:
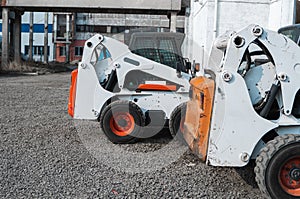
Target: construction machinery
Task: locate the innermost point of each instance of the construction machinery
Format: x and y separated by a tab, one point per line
133	97
292	32
247	106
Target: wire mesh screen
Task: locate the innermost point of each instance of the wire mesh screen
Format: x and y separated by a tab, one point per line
161	48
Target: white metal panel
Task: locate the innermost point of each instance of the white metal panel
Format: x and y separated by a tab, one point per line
259	80
90	96
235	127
164	101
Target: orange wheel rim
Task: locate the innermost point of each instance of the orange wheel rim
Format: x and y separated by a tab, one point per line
289	176
181	127
122	123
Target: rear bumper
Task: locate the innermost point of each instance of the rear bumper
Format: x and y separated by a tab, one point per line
72	94
198	116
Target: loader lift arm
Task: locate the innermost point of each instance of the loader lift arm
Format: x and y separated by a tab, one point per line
254	109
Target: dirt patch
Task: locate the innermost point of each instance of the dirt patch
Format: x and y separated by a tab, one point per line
36	68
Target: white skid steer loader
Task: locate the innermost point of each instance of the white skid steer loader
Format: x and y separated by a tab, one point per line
132	96
247	106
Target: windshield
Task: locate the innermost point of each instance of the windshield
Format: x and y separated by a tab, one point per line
291	32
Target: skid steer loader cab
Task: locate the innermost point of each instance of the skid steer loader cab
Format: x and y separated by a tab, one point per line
164	47
247	107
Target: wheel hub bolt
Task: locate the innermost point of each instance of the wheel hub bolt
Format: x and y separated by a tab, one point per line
122	123
295	174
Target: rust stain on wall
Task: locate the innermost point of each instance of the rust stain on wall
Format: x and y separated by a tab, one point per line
3	3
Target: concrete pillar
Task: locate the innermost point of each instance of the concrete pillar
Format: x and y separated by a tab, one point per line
30	52
68	38
173	21
73	25
108	30
54	35
17	38
187	40
46	38
11	37
5	35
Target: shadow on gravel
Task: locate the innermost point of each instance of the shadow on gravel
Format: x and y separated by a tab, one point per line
247	174
154	143
162	137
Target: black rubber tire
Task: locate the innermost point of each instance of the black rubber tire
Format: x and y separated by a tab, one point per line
122	106
270	161
175	120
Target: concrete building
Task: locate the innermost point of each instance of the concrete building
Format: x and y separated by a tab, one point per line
210	18
81	26
38	35
13	9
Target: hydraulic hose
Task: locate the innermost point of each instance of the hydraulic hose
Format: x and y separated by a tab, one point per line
270	99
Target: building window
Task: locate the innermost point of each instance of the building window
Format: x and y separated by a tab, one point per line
62	51
91	28
78	51
100	29
80	28
84	28
117	29
36	50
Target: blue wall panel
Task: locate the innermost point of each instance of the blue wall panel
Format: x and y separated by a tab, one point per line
37	28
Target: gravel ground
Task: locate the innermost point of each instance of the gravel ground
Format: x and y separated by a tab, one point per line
46	154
